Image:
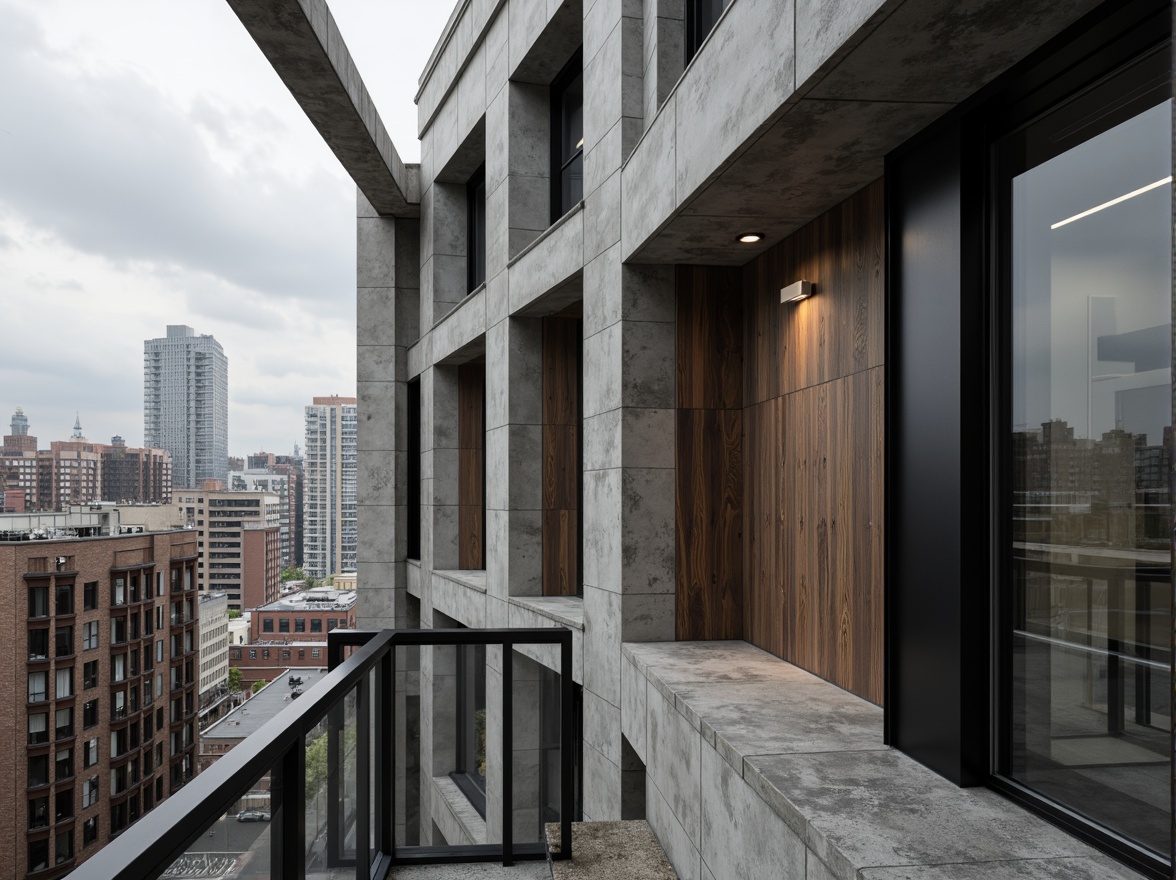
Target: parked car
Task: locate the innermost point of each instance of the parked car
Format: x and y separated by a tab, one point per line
253	816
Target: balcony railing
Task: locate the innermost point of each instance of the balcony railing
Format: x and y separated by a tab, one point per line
329	810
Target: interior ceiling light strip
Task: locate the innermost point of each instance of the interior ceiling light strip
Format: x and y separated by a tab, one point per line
1122	198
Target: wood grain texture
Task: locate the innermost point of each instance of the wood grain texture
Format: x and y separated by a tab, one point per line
709	454
813	448
471	462
562	341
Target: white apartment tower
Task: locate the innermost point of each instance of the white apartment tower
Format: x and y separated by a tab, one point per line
186	404
329	519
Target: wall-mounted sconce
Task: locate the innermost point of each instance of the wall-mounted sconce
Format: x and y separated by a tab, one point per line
751	237
796	292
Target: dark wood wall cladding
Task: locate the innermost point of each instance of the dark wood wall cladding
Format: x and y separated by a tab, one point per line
471	461
709	453
813	448
562	341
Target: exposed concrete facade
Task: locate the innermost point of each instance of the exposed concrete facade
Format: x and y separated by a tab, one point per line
787	108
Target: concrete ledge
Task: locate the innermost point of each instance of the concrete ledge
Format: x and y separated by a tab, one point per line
564	610
456	816
755	767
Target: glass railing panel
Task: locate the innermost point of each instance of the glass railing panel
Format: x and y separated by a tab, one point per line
317	799
238	843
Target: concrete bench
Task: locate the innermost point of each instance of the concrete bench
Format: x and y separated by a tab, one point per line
755	768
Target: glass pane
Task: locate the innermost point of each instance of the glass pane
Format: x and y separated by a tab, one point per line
573	182
238	843
1091	446
317	795
572	116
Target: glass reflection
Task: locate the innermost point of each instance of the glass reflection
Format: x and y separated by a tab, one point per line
1091	447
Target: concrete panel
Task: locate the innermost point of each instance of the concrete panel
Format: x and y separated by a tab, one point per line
471	92
675	765
602	441
679	849
647	364
647	536
551	261
649	191
633	707
648	437
463	326
602	538
1092	868
602	786
602	292
375	252
733	88
603	370
602	727
602	644
381	425
649	617
730	812
602	213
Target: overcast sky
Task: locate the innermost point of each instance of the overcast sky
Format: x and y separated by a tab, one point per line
153	171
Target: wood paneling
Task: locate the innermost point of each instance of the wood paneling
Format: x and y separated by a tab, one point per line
471	461
813	448
562	340
709	454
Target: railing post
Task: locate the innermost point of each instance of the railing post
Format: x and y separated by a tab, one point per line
386	756
567	767
507	753
288	814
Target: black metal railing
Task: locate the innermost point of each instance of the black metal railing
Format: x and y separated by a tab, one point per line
265	779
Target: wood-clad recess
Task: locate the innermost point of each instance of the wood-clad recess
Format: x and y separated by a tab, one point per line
562	341
471	463
708	454
808	583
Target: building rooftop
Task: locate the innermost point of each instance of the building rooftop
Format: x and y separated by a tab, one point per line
313	600
262	706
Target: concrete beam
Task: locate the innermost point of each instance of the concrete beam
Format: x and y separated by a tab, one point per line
302	42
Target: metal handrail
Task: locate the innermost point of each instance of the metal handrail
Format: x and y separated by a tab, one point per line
148	848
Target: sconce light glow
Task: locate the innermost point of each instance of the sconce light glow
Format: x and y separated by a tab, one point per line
794	293
751	237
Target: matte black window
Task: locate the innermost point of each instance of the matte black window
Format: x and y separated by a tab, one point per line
90	831
1084	253
470	766
89	675
39	813
299	624
90	713
476	230
316	624
267	625
90	596
38	728
63	641
284	625
567	137
701	16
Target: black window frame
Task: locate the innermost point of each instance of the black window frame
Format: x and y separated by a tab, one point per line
572	71
476	230
413	489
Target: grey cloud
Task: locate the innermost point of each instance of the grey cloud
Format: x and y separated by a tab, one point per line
103	162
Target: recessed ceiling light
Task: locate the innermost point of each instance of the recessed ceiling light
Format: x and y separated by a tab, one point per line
751	237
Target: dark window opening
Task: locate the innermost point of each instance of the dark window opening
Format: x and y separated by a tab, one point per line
476	230
414	470
567	137
701	17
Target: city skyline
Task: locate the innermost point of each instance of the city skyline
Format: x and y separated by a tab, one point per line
231	215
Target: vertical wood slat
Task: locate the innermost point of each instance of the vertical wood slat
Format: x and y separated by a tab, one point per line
562	341
709	552
813	447
471	461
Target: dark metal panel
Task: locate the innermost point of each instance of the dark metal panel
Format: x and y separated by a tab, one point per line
924	464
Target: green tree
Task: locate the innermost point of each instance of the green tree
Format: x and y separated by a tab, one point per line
293	573
235	680
258	685
234	614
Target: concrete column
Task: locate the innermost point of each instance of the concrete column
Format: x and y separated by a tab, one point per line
628	409
387	321
664	52
514	458
439	470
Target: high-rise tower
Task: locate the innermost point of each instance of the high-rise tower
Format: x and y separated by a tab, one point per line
329	520
186	404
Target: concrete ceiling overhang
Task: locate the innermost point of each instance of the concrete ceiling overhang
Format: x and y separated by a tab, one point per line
907	65
302	42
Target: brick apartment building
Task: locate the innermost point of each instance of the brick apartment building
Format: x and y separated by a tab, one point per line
99	699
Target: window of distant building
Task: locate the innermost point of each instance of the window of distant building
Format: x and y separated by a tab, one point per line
567	137
476	230
267	625
701	16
